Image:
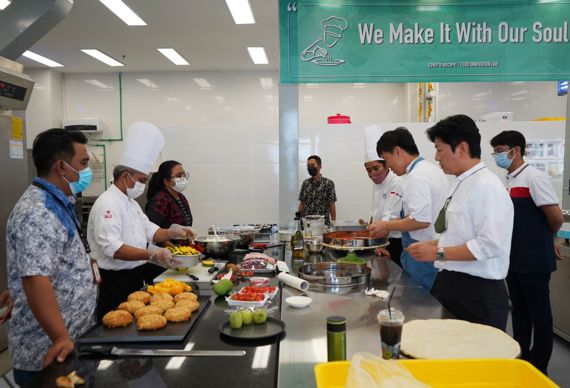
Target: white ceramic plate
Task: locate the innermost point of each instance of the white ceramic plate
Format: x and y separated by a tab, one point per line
298	301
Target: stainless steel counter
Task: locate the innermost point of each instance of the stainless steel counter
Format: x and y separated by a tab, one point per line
305	343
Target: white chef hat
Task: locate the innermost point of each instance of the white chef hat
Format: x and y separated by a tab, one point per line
143	144
371	135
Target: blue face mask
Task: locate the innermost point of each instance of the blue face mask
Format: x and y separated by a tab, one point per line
84	181
502	159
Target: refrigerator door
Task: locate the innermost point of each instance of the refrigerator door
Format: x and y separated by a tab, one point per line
14	180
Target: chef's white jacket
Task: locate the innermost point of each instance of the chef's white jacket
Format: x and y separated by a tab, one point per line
480	214
425	189
115	220
387	200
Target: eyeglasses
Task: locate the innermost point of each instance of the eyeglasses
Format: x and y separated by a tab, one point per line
181	175
493	154
440	225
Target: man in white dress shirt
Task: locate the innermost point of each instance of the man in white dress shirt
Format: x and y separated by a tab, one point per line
424	191
386	200
119	232
475	226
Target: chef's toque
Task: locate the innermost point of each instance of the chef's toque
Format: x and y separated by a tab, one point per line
371	136
143	144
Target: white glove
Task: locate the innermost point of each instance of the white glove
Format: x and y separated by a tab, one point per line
163	258
179	232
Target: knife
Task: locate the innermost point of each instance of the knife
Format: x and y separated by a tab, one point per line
115	351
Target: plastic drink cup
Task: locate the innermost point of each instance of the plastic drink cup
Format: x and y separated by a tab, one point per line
390	324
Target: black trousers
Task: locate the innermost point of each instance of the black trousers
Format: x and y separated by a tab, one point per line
395	249
532	316
151	271
116	287
472	298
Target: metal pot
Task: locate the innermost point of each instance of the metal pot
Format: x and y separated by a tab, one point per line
245	234
217	247
329	274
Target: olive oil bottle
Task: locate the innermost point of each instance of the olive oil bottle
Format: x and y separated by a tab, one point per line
297	241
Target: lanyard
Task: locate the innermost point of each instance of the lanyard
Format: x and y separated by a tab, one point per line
82	235
464	179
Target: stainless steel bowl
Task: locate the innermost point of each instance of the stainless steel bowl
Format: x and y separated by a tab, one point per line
217	247
314	244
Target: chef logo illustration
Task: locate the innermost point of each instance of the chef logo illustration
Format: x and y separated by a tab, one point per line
318	51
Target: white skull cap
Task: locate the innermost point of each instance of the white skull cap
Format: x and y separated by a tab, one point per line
143	144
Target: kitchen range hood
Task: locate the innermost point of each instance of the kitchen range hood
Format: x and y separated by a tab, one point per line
15	86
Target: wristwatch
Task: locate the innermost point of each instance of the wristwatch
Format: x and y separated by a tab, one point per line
440	256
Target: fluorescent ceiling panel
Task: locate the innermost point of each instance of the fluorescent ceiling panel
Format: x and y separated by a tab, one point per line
203	83
4	4
258	55
102	57
123	12
173	56
241	11
41	59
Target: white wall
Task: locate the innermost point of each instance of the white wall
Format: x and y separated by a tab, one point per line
226	135
528	100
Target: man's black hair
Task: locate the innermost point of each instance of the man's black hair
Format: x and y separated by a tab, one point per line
53	145
317	158
399	137
456	129
511	139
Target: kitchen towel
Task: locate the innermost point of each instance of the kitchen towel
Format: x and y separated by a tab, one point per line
293	281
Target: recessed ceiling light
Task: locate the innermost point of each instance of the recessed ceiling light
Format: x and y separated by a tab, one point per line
102	57
202	83
241	11
174	57
4	4
41	59
148	83
258	55
123	12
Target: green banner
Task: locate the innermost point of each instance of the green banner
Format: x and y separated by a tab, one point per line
414	40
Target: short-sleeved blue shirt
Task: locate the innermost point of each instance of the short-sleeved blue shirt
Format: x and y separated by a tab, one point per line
42	240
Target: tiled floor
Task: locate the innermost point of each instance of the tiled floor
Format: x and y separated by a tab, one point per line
558	369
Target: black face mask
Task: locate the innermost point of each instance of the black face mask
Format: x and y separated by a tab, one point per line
312	171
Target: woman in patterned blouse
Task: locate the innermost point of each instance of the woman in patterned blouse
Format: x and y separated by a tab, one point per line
166	204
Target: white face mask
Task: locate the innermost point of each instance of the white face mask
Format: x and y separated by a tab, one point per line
137	190
180	184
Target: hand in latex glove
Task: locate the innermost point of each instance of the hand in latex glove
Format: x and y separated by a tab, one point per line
163	257
179	232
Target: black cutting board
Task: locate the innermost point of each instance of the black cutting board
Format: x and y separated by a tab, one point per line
173	332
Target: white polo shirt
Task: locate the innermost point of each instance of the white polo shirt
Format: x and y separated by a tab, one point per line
536	182
387	200
115	220
480	214
425	189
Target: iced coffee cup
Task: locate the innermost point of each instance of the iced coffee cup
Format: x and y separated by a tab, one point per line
390	324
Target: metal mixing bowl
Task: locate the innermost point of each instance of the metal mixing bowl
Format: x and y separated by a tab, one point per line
217	248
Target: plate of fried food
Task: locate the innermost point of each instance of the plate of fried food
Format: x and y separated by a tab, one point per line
165	311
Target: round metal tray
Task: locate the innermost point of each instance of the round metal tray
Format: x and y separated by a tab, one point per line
353	240
331	274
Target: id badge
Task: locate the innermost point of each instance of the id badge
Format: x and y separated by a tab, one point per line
95	270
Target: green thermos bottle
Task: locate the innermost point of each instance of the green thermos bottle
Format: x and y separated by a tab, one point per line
336	338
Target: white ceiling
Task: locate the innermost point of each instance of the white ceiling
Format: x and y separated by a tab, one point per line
202	31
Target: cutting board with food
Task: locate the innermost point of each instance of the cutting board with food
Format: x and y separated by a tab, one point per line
164	312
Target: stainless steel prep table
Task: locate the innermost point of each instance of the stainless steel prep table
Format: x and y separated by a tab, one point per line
305	343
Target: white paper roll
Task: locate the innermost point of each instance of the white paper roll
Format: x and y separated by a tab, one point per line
293	281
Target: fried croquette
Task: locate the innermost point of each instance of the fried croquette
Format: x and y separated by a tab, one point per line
164	304
148	310
177	314
140	295
151	322
161	296
131	306
185	295
117	318
191	304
